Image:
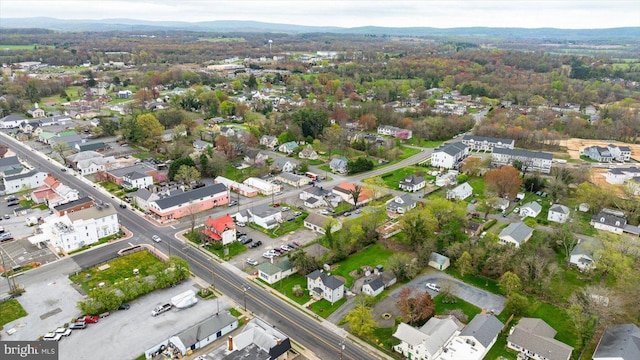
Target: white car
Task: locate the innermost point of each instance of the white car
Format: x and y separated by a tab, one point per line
63	331
323	212
52	337
241	224
432	286
252	262
156	238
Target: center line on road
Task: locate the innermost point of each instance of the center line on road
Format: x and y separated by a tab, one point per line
173	227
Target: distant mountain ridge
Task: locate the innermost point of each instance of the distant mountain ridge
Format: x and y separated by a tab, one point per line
257	26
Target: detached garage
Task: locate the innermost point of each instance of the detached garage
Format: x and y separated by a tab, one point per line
438	261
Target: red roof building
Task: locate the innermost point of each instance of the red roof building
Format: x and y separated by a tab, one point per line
220	229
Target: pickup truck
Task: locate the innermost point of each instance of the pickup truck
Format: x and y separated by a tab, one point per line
160	309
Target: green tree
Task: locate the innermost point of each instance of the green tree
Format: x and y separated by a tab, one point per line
509	283
176	164
187	174
593	195
517	304
360	319
464	263
61	148
418	228
181	268
151	129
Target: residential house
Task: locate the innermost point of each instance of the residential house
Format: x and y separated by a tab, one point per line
502	204
76	229
373	286
283	164
315	197
439	261
255	157
288	147
117	175
124	94
401	204
293	179
230	131
263	215
618	176
197	336
272	273
346	191
54	193
558	213
428	342
25	181
515	234
33	127
269	141
619	342
619	153
531	160
141	198
324	286
584	254
534	339
475	340
412	183
258	341
308	153
598	153
220	229
171	207
70	140
611	221
73	206
460	192
264	187
36	112
11	121
240	188
395	132
201	146
90	162
136	180
10	166
94	146
530	209
480	143
338	165
318	223
449	155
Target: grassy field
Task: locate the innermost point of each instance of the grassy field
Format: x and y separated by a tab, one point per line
384	337
23	47
10	310
235	248
372	255
392	179
556	318
72	92
442	306
477	184
499	350
286	285
324	308
118	270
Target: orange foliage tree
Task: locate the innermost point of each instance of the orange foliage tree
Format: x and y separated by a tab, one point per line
504	181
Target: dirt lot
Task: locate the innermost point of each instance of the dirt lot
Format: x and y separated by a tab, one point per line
574	145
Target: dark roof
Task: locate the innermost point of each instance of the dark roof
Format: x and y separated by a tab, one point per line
329	281
91	146
619	341
206	328
375	283
264	210
186	196
608	219
12	118
141	193
484	328
22	176
317	191
141	168
73	203
412	180
523	153
136	175
451	148
9	162
253	352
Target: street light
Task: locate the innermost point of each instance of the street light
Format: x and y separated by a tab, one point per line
244	295
341	348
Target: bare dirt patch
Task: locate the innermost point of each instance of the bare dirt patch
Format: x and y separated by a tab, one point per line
574	145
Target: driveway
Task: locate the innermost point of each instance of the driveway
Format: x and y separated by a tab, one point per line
471	294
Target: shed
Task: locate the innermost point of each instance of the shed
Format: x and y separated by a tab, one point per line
439	261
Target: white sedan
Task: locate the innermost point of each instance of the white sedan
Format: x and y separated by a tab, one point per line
434	287
156	238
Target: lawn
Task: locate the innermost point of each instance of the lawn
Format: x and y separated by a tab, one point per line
342	207
384	337
23	47
235	248
286	285
477	184
408	152
285	227
118	270
373	255
477	281
9	311
556	318
392	179
425	143
324	308
499	350
442	306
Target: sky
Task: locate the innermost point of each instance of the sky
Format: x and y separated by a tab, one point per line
585	14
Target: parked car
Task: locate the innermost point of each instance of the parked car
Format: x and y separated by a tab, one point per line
124	306
432	286
241	224
286	247
347	214
1	229
90	319
323	212
233	203
285	208
6	216
252	262
161	309
240	233
256	244
297	213
78	325
292	245
52	337
63	331
269	255
296	242
156	238
246	241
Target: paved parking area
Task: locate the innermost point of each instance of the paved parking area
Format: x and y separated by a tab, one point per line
22	252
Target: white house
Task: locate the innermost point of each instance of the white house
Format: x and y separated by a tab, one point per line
324	286
288	147
531	160
11	121
272	273
530	209
475	340
401	204
449	155
373	286
284	164
412	183
90	162
460	192
618	176
265	216
78	228
558	213
583	254
263	187
316	222
429	341
293	179
315	196
534	339
608	221
481	143
137	180
308	153
269	141
338	165
221	229
515	234
25	181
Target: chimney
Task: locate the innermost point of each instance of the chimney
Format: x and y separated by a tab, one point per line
279	341
230	343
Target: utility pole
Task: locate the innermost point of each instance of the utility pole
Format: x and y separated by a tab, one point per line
6	273
341	348
244	295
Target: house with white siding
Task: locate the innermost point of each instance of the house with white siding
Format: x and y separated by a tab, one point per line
449	155
427	342
25	181
324	286
535	161
481	143
460	192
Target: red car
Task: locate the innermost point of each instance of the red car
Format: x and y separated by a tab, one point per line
90	319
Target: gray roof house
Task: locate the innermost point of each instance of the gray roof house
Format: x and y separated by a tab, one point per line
412	183
536	338
429	340
187	196
530	209
439	261
325	286
516	234
583	254
484	328
373	286
9	163
620	342
475	340
338	165
401	204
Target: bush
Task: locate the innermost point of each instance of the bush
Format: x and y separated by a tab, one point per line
489	224
297	291
462	178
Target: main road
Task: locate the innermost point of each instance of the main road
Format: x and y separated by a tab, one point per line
323	340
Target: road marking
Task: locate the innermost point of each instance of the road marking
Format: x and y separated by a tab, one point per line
173	227
130	244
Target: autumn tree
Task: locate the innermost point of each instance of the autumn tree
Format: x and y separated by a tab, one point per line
505	181
415	306
471	166
151	129
225	146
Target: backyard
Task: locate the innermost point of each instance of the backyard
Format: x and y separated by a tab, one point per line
446	303
324	308
233	249
373	255
392	179
286	285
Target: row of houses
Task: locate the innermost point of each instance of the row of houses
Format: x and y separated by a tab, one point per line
607	154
